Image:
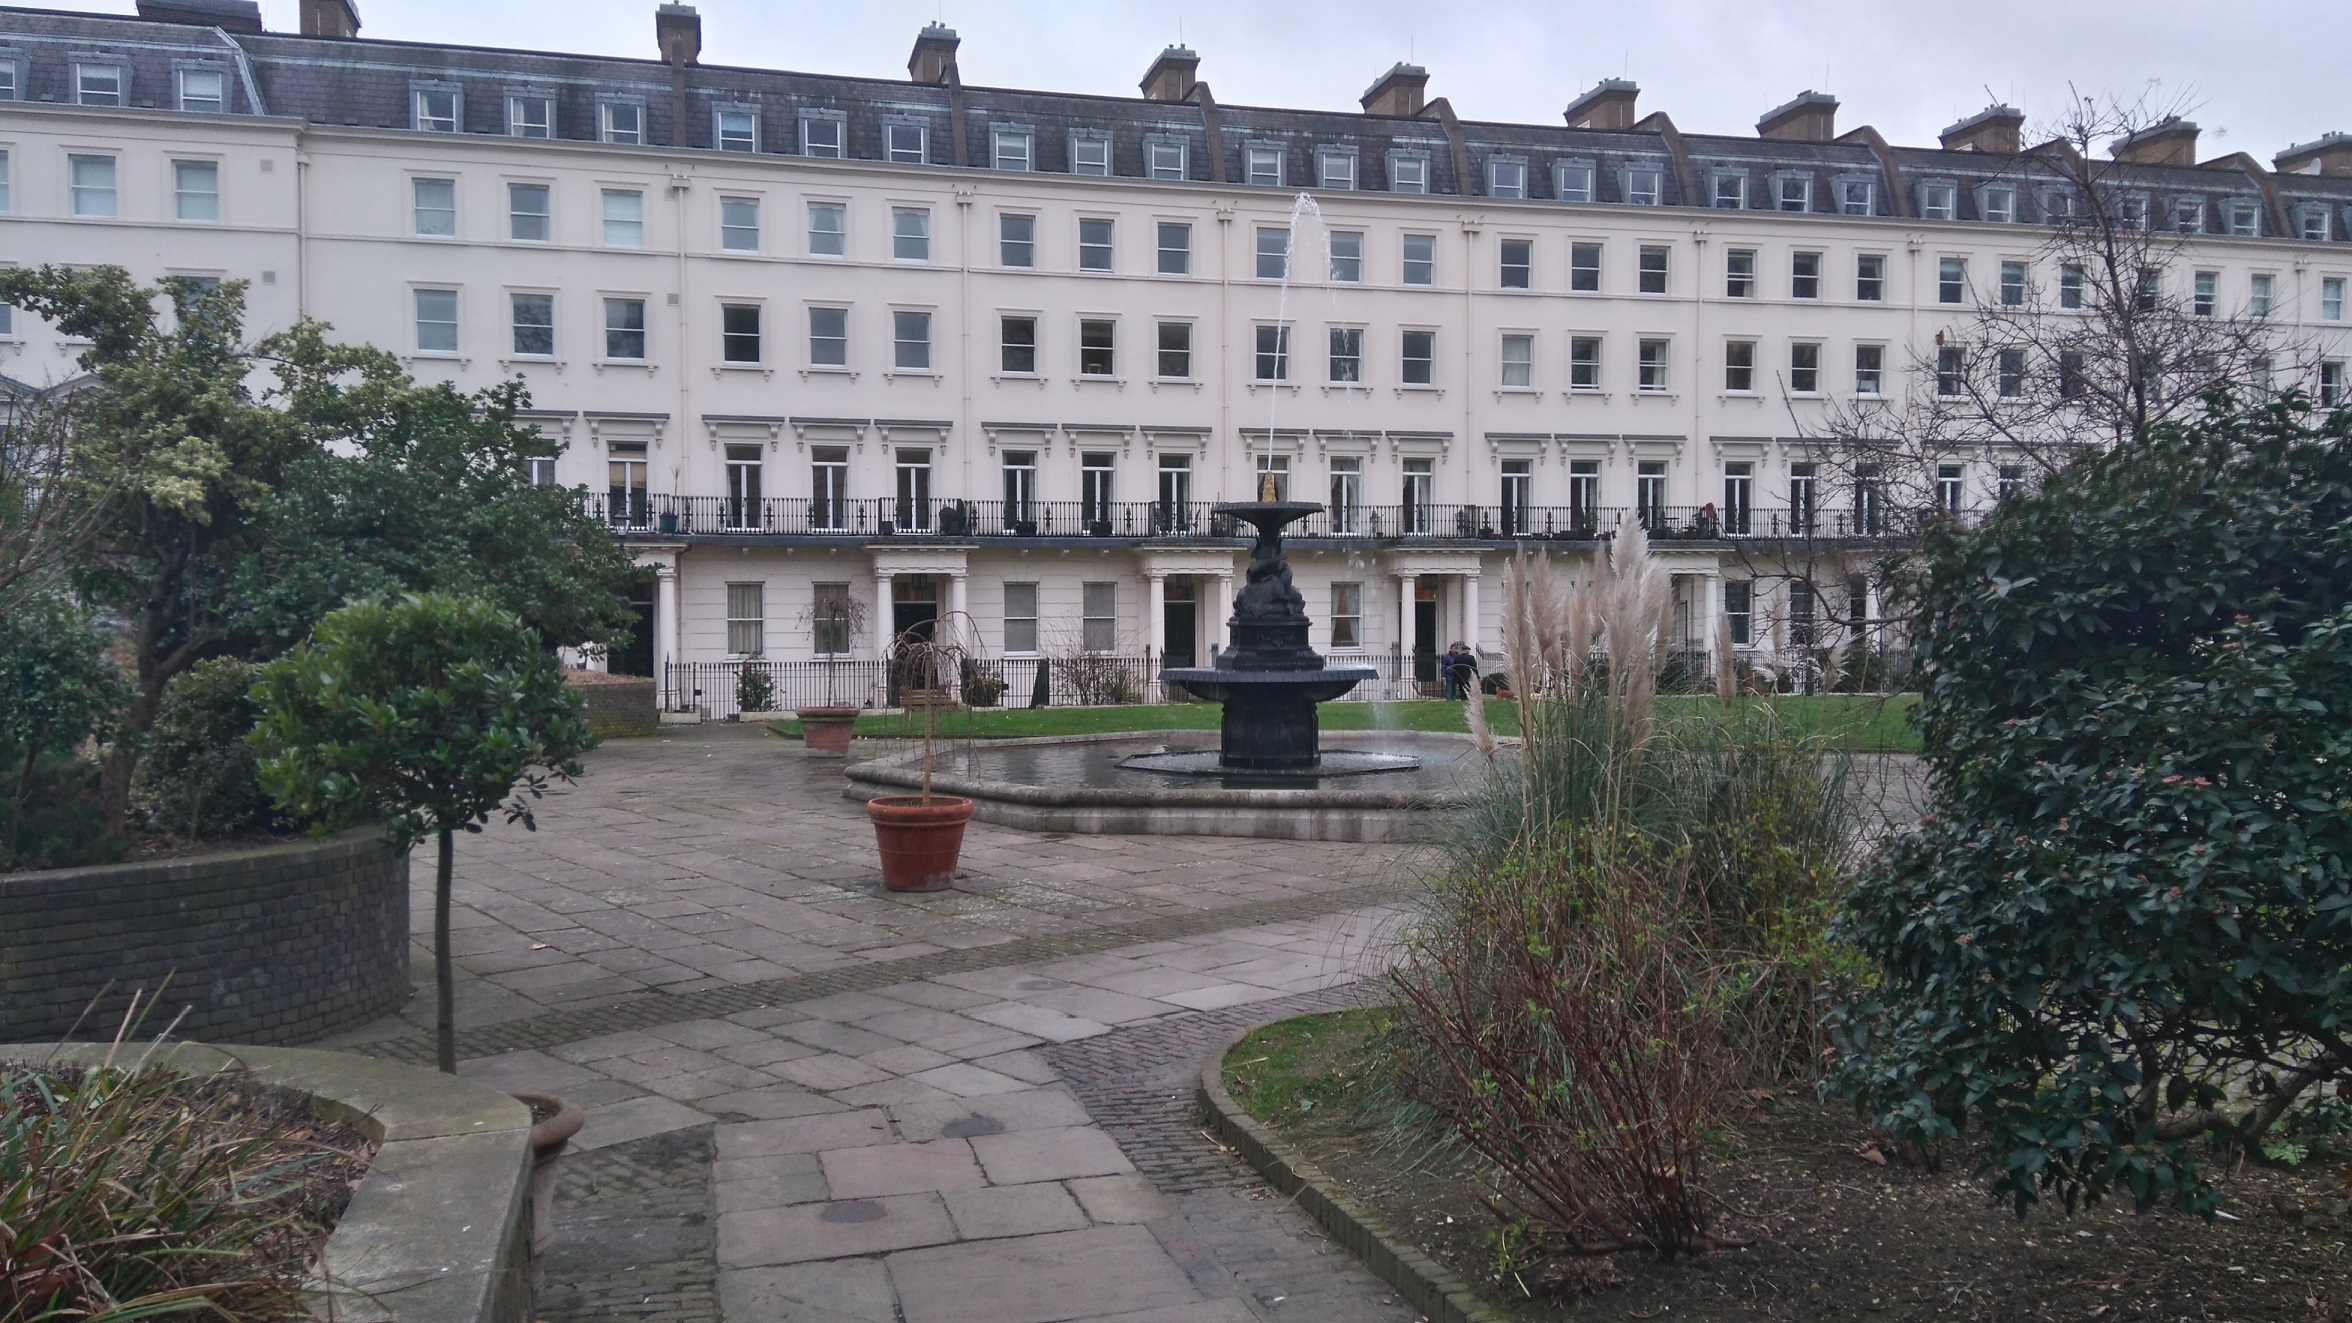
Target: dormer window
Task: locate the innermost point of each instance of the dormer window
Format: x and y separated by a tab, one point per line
1996	204
2188	215
2244	218
1857	197
97	84
1090	153
1939	201
1265	166
2132	210
1408	172
908	144
530	116
1506	177
1572	181
2311	222
822	135
435	109
621	123
1644	185
1164	158
1335	167
1795	192
1012	149
204	91
735	129
1731	191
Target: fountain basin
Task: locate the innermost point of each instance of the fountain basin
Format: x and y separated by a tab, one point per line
1063	784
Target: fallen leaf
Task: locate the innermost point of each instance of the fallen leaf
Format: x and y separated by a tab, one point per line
1869	1153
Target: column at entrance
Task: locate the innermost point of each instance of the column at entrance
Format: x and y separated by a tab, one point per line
1225	610
958	598
884	631
1155	613
665	622
1470	614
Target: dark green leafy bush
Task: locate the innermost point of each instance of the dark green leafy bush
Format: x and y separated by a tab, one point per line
199	779
58	691
2128	921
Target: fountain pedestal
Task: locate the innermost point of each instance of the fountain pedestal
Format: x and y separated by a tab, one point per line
1269	681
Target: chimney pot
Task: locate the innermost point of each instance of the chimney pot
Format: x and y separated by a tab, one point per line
1172	76
2330	154
678	30
1996	129
2168	142
935	54
1398	92
329	18
1609	105
1810	117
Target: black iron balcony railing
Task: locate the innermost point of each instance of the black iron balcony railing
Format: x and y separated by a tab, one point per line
662	515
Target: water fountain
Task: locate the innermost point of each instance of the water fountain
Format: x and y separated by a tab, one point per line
1269	681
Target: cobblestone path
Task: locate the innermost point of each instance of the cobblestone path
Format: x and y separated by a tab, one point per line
811	1101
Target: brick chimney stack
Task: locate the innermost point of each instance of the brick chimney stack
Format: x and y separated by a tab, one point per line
1172	76
1609	105
1997	130
2328	155
1811	117
1399	91
935	54
2169	142
329	18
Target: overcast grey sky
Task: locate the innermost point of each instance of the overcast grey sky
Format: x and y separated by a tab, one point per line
2259	74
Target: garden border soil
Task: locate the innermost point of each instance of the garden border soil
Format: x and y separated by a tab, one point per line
282	943
1434	1291
452	1155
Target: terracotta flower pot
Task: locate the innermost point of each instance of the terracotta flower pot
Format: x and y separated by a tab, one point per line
553	1123
919	842
826	730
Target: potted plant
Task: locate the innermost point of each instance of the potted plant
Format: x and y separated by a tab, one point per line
835	619
755	694
920	837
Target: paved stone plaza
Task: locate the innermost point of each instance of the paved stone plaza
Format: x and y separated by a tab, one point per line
809	1100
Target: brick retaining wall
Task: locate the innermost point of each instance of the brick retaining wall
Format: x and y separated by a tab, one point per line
618	705
272	945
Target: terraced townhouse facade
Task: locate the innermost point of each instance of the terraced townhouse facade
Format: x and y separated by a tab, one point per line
937	348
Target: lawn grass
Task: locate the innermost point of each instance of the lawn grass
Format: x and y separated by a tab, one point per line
1292	1067
1857	722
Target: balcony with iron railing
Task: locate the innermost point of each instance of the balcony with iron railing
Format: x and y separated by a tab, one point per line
656	515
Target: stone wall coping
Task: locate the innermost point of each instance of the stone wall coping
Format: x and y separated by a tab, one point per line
1428	1285
356	841
435	1231
905	769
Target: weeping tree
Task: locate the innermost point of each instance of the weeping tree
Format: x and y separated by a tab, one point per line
2127	923
427	711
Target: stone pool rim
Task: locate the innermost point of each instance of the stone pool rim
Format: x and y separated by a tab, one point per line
1318	814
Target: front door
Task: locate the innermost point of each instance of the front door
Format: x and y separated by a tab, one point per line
1425	647
1181	619
635	657
914	614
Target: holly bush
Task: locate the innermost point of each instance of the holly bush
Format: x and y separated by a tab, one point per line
2127	923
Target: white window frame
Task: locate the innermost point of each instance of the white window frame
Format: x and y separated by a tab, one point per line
1162	252
1335	168
1345	345
515	215
219	100
1347	614
747	143
608	125
85	89
1996	204
421	118
1584	369
1108	248
728	232
1939	199
1111	366
1792	188
1732	198
1090	153
416	208
1408	172
2331	298
813	144
1353	273
605	198
1515	358
1654	373
79	194
1262	165
1575	182
910	235
1506	177
906	142
743	627
1407	261
455	323
1870	371
1278	254
1006	243
1023	644
182	195
607	305
515	325
1012	148
838	210
1857	197
1644	185
901	319
1158	163
518	122
1277	358
2243	217
839	362
1092	595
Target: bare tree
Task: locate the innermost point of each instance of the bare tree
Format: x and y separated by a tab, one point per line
46	520
2106	332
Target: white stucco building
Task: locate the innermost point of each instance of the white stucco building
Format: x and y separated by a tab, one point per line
939	348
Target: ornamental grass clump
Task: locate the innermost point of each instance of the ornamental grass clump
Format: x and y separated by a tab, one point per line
1631	927
128	1191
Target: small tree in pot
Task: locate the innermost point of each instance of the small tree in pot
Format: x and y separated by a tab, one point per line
922	836
834	620
428	711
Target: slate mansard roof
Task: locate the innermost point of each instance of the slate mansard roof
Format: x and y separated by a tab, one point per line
371	84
